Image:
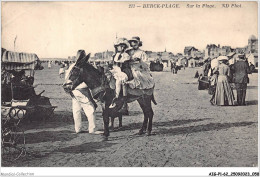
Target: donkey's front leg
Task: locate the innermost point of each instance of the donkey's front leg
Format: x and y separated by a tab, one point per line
150	115
150	124
106	122
112	124
144	126
141	102
120	121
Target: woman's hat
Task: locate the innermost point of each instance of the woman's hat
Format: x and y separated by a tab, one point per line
137	39
222	58
121	41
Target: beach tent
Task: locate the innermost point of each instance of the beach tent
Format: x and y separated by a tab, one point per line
18	61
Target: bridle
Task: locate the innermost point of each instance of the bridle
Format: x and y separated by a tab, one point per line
68	86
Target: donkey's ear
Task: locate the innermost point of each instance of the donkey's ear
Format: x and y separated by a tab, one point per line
78	61
87	57
83	60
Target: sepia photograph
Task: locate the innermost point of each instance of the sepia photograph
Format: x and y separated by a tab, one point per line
149	84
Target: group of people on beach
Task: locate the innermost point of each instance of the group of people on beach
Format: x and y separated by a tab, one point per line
221	75
129	70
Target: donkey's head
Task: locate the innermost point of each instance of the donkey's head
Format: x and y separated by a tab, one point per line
83	71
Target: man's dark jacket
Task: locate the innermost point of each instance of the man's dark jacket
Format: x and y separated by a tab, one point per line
241	70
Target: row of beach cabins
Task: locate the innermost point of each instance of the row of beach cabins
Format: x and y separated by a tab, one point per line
181	61
196	61
166	60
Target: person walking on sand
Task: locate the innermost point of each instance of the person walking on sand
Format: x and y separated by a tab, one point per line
49	64
224	94
62	70
241	71
213	77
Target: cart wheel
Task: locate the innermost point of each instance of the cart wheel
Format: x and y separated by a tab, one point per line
12	113
13	143
20	115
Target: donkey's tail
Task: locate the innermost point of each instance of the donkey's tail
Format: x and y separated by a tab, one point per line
153	100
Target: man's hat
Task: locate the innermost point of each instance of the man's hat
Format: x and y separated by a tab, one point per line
81	54
137	39
222	58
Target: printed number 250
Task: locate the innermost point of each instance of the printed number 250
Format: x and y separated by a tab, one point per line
131	5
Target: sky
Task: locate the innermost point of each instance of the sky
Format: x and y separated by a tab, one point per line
59	29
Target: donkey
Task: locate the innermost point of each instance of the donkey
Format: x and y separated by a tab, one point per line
98	83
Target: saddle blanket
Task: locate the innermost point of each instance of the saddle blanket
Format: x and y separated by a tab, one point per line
135	91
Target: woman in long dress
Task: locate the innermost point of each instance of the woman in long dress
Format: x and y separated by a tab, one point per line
140	70
224	95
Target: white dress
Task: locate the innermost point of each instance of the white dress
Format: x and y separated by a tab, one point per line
116	71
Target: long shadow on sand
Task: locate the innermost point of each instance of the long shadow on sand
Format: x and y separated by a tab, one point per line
59	119
252	102
134	126
85	148
49	136
135	113
90	147
201	128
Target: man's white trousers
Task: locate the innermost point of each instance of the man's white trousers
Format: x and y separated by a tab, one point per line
82	102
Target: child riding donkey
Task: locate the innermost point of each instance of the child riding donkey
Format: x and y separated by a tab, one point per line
129	68
121	69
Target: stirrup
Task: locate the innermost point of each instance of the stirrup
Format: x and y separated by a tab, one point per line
130	81
113	104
